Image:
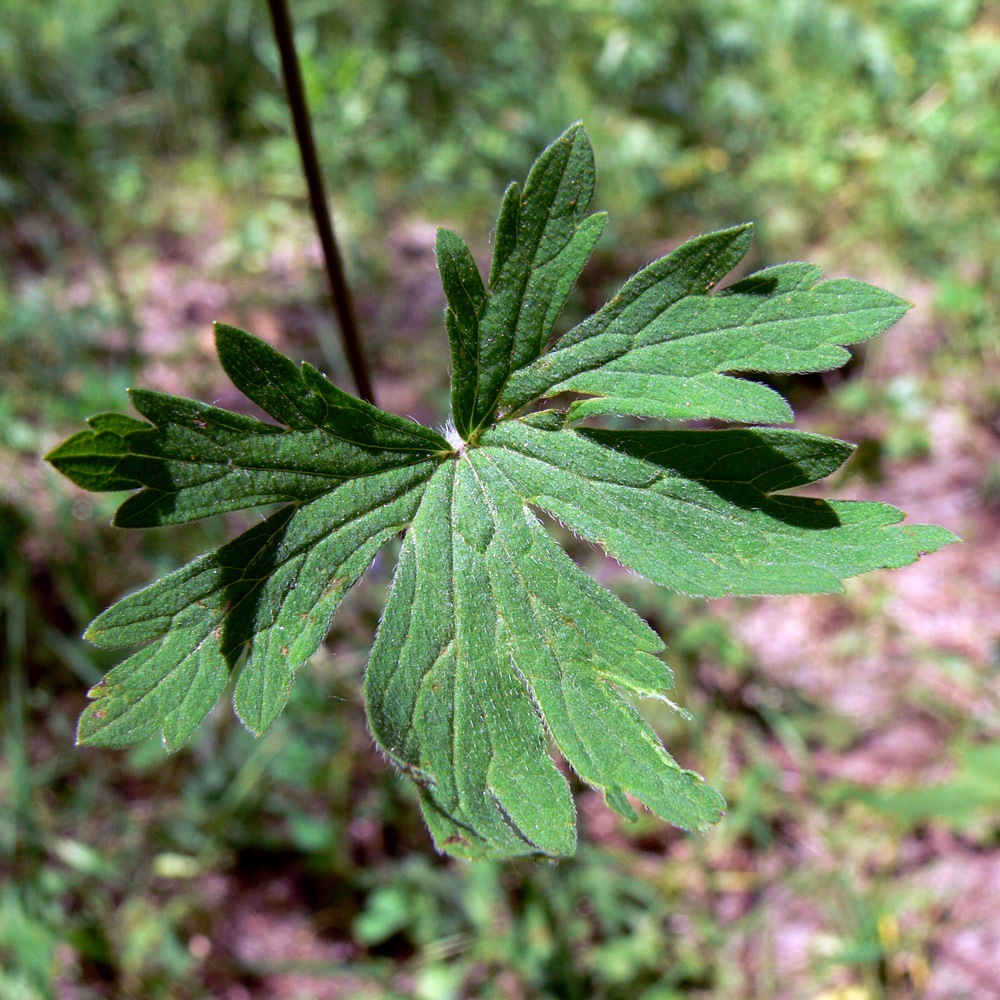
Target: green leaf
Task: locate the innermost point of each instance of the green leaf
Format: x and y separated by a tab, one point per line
495	648
658	348
543	239
446	703
194	460
698	511
270	593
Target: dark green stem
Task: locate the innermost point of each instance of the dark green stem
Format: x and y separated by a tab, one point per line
339	292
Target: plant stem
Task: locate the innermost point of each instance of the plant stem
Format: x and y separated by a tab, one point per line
339	292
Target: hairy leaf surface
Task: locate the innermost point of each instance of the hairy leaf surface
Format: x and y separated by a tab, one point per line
495	648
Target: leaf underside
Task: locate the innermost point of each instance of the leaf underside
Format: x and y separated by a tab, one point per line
494	646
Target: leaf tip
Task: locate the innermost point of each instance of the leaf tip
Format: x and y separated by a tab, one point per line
171	742
255	728
713	805
88	726
99	690
223	333
574	134
743	235
931	538
513	191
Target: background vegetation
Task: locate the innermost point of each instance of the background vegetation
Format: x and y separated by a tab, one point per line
149	185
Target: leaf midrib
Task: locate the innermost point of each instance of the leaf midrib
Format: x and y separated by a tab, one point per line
533	604
278	430
305	546
750	323
231	466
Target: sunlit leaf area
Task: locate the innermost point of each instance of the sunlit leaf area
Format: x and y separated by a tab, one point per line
551	746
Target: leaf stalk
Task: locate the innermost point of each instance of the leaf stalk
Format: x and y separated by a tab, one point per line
339	291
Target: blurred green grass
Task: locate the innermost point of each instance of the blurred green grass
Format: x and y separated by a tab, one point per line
146	149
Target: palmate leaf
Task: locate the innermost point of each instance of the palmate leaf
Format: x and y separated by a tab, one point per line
494	645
